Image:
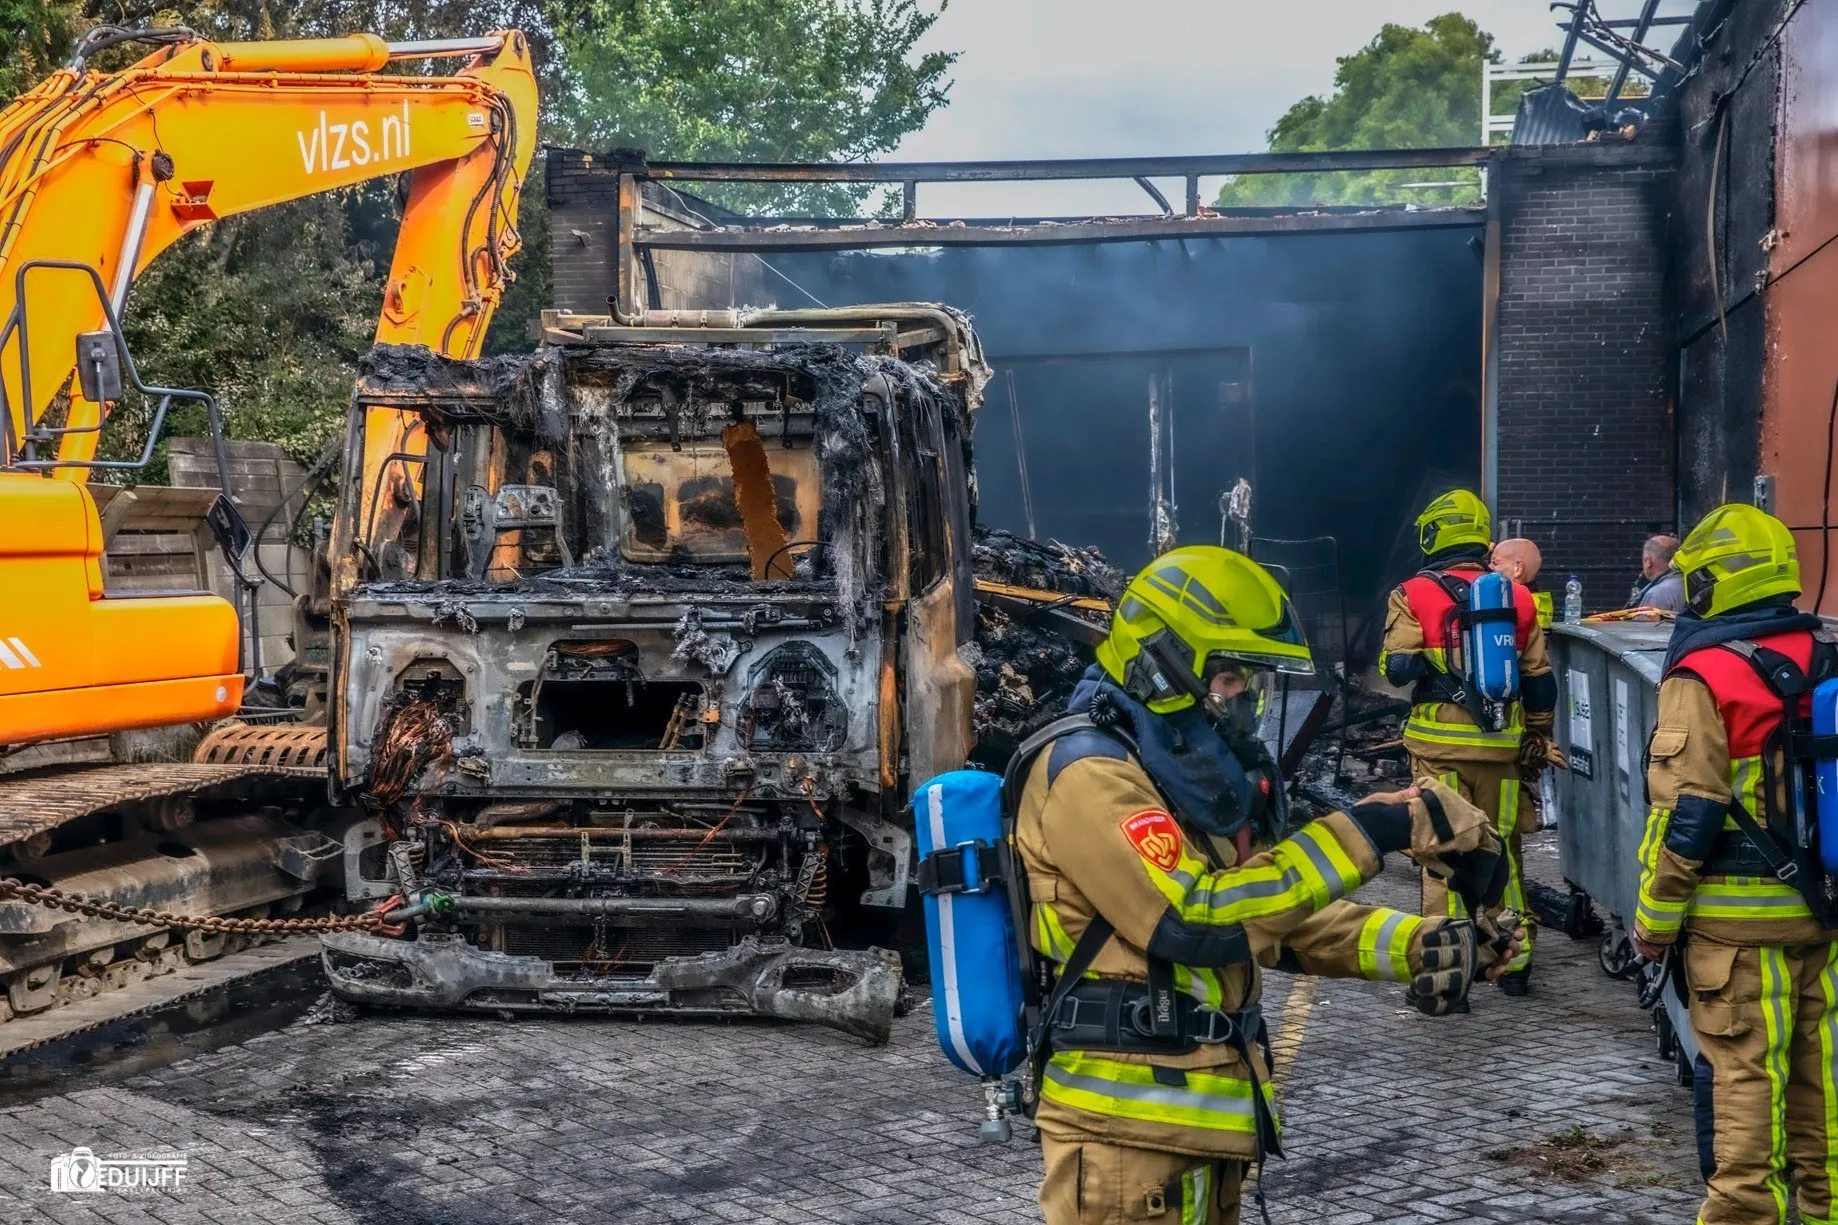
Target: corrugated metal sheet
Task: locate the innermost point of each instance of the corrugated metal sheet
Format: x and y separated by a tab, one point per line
1548	115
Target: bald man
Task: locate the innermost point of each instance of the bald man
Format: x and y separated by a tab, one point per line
1519	560
1659	585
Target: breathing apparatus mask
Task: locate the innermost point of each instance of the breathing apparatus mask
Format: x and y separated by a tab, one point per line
1232	711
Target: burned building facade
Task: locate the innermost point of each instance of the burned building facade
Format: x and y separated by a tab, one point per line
1624	335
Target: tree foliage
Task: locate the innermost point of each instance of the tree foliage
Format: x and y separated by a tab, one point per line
753	80
271	310
1406	89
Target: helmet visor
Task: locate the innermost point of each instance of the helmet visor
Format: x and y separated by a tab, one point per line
1252	662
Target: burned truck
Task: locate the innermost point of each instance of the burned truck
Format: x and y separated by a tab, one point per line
639	645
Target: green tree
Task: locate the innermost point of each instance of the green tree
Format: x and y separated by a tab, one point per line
754	80
38	35
272	310
1406	89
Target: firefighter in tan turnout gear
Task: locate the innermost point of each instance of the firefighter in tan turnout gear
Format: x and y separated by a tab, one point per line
1450	734
1727	879
1140	834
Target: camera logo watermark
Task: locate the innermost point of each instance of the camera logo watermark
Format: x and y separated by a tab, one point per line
80	1171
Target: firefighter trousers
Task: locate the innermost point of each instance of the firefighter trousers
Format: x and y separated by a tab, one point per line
1091	1182
1766	1020
1495	788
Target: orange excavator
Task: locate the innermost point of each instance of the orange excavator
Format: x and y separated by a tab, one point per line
100	171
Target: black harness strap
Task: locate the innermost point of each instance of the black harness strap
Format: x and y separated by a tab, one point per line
1097	933
1788	682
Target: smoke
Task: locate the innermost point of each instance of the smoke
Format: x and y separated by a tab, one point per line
1363	373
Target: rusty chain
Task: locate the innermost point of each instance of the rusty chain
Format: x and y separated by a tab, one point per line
77	903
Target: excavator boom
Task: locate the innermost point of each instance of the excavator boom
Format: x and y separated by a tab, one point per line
109	170
102	171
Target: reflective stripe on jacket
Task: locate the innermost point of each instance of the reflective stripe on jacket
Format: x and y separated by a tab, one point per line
1715	715
1096	837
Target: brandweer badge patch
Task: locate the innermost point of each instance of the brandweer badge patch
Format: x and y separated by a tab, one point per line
1156	838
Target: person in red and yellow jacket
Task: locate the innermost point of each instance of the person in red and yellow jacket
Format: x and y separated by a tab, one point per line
1443	733
1760	961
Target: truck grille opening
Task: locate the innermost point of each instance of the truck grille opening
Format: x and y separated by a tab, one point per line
613	951
618	714
682	862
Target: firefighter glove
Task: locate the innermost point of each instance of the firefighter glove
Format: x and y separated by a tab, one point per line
1450	959
1495	936
1536	752
1444	826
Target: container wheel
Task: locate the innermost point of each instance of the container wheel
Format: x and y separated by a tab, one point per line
1665	1038
1681	1066
1616	955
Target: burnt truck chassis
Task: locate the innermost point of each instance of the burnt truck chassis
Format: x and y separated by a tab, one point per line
625	767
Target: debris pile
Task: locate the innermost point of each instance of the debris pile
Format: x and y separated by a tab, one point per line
1051	566
1026	668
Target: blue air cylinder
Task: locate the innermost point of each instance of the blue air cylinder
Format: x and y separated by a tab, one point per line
1825	770
1492	646
977	997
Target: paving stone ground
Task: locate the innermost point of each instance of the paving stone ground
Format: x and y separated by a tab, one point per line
1549	1109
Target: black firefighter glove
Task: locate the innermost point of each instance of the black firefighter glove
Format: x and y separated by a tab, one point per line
1455	953
1451	959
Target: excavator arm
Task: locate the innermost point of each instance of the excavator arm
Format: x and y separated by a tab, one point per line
109	170
99	173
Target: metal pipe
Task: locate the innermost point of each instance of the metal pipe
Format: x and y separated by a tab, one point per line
602	834
130	244
352	53
744	907
1161	201
428	48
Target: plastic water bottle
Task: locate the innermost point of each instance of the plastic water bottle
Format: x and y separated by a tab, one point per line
1573	600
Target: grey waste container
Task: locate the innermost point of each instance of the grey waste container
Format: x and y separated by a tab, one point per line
1608	693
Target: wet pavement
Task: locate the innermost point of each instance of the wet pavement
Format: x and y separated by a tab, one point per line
1553	1109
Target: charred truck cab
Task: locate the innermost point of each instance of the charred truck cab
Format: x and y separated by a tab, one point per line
639	644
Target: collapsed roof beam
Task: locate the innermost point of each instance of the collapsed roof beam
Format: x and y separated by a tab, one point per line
1062	168
1137	229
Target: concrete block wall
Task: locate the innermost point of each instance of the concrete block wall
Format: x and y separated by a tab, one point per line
1586	452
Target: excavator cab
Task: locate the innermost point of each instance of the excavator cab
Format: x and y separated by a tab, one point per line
76	659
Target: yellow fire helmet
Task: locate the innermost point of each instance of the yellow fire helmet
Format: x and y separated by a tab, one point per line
1736	555
1458	517
1195	609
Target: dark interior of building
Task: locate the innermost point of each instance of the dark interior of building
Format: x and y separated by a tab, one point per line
1339	372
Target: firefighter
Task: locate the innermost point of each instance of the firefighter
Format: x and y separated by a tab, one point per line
1760	962
1138	839
1448	734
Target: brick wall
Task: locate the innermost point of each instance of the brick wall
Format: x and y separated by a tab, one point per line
1585	359
583	197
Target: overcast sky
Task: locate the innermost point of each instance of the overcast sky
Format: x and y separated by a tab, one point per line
1111	78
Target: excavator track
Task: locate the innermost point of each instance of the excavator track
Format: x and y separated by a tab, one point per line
84	983
40	802
87	1004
